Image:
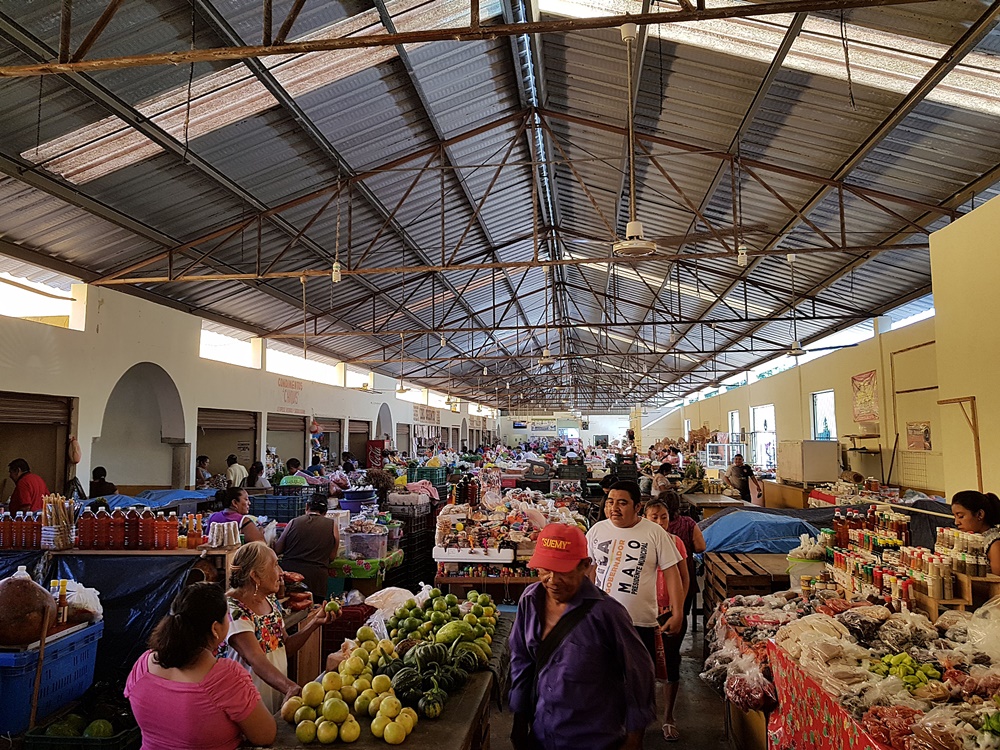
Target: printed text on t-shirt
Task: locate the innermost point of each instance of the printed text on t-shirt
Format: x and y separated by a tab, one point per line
631	554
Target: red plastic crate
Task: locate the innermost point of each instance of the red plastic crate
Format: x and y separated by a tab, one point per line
346	626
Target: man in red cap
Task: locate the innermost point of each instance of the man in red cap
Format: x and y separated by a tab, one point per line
580	675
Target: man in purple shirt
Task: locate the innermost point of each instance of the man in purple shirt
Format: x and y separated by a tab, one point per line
596	689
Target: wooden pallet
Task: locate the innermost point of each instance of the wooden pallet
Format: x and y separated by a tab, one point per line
733	574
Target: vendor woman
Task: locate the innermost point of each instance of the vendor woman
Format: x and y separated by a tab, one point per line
979	513
257	632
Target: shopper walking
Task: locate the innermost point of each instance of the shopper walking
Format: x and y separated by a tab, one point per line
627	550
659	513
740	477
580	676
308	544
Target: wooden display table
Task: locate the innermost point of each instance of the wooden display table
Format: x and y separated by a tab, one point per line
464	724
784	495
712	504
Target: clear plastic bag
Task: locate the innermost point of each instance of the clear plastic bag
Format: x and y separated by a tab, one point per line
984	629
717	665
864	622
890	725
905	630
950	618
747	688
789	637
943	729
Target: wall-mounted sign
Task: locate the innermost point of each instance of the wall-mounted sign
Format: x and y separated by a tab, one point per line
864	388
543	426
291	392
918	436
520	425
426	414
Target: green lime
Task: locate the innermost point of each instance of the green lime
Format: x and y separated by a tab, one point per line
435	593
451	599
411	624
440	605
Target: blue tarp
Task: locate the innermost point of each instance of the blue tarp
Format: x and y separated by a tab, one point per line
156	498
136	591
749	531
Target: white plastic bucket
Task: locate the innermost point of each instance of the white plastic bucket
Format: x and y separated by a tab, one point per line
798	567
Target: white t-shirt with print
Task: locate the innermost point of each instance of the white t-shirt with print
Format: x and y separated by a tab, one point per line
627	561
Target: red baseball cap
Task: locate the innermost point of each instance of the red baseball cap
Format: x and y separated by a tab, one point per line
560	547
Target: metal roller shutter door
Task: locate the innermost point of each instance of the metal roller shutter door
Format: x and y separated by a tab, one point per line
226	419
23	408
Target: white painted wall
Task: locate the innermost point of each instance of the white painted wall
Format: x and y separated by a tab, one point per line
121	331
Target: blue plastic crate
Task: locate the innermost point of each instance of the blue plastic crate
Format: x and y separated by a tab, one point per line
66	674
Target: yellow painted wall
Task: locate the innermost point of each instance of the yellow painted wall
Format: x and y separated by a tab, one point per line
966	278
791	393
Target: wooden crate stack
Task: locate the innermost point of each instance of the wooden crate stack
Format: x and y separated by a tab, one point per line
735	574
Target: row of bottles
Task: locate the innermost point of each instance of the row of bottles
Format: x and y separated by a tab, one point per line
130	529
21	531
883	524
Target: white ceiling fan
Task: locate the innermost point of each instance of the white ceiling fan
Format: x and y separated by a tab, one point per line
401	389
634	244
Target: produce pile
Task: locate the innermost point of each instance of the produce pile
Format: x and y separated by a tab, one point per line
103	712
912	684
433	649
511	523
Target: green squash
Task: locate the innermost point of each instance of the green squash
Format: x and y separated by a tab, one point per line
430	707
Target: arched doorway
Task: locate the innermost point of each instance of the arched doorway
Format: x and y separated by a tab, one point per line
142	442
465	435
383	425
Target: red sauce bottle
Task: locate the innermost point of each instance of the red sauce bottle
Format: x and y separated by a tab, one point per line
103	529
86	530
117	529
132	529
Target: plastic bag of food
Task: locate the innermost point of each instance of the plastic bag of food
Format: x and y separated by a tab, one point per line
984	628
864	622
903	630
950	618
789	637
943	729
890	725
747	688
717	664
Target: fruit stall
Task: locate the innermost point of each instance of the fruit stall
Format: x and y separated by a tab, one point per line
427	682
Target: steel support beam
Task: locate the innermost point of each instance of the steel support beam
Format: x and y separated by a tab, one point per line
465	34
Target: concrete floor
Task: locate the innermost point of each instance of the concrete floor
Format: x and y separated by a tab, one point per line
699	711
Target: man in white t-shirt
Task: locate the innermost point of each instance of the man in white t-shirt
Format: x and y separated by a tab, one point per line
627	550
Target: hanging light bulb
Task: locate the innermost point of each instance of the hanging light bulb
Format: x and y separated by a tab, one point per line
443	342
485	370
335	274
741	256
